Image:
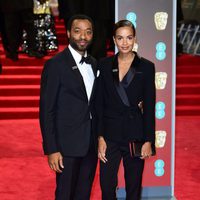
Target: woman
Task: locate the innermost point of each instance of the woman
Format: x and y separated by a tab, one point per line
125	113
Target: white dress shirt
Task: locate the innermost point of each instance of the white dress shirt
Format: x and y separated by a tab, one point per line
85	70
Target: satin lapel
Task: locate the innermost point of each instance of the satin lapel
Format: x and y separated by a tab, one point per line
128	78
74	68
94	68
115	69
115	75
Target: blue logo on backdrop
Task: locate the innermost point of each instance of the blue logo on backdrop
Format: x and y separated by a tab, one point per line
160	110
160	50
159	164
159	168
160	46
131	16
159	172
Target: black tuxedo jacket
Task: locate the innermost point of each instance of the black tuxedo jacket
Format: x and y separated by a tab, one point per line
117	121
65	113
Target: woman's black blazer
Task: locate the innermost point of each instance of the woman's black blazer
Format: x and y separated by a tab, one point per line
117	121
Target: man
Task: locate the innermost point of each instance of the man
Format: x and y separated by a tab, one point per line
102	11
66	112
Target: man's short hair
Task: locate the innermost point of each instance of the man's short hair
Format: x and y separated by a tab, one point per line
79	16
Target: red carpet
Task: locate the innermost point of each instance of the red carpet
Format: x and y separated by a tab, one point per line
187	162
25	174
24	171
188	85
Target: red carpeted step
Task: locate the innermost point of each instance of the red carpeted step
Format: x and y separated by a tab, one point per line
188	85
188	110
19	90
189	60
19	79
26	61
188	89
188	100
59	25
19	113
188	69
19	101
188	78
61	32
20	82
23	62
63	40
22	70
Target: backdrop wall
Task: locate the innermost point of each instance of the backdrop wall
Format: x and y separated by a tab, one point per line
155	22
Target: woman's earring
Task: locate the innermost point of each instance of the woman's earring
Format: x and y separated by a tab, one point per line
135	47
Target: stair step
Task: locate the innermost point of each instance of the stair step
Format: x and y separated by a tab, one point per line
22	70
19	113
20	90
19	79
59	25
188	110
62	41
188	69
60	32
188	89
22	56
187	78
25	61
19	101
187	59
187	100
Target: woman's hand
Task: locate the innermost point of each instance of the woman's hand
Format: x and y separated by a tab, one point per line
146	150
102	149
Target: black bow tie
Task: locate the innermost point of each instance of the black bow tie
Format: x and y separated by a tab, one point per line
87	60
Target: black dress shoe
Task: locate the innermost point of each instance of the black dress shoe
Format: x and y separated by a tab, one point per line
36	54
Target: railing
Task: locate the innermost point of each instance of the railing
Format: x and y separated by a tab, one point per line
189	36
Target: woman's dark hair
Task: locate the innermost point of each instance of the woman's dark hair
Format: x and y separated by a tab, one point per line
123	23
79	16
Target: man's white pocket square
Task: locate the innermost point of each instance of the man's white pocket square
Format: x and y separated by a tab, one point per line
98	73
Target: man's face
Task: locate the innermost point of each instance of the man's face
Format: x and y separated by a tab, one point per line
80	35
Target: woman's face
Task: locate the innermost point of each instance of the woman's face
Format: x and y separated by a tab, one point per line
124	39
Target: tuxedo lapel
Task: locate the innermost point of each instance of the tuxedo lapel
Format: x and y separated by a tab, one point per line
94	69
115	69
116	84
115	76
75	71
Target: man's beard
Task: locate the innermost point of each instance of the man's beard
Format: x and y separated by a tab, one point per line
77	47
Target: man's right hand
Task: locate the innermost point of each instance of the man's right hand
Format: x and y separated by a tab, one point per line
55	161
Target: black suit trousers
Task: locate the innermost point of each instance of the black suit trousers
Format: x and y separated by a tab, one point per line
133	169
75	182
